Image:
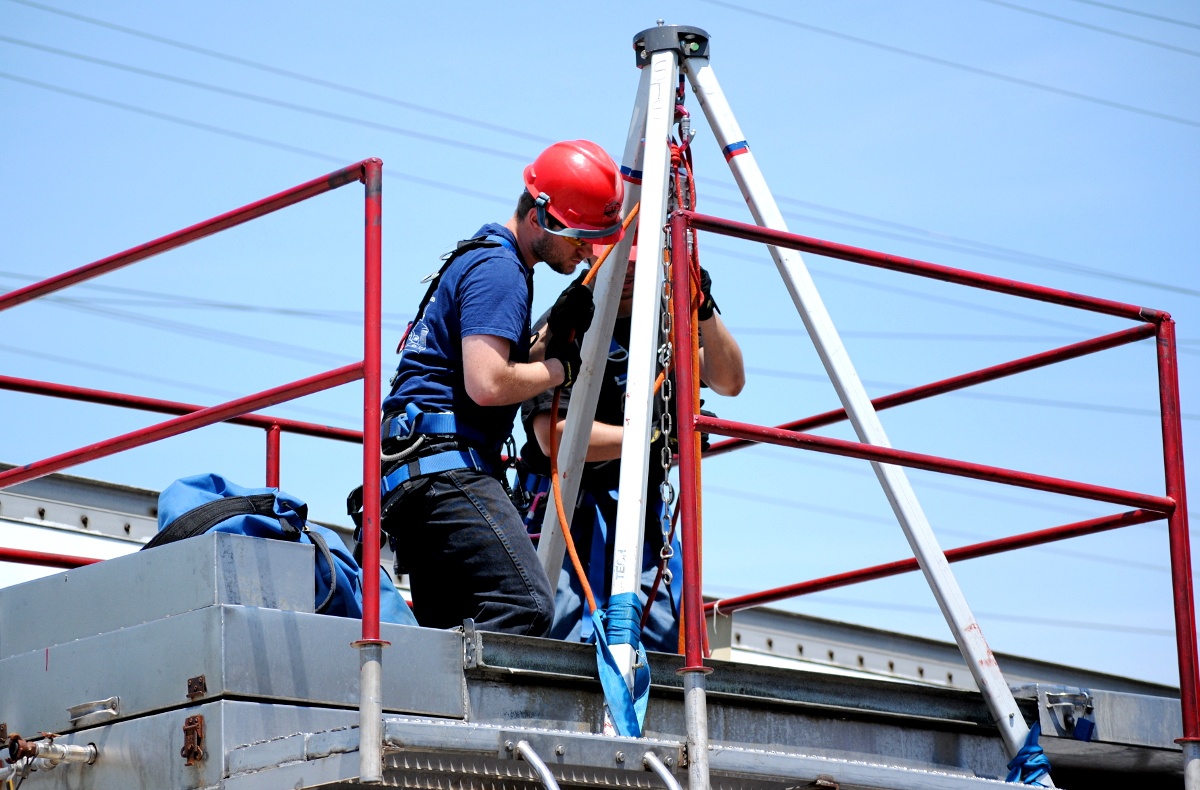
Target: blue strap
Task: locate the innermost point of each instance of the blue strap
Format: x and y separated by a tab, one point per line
624	617
432	464
1030	763
413	422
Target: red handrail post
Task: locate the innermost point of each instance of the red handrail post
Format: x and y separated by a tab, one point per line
372	354
273	456
693	600
1177	529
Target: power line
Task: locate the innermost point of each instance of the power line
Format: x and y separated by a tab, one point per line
1054	623
1120	562
1060	404
960	66
254	97
955	243
1140	13
350	89
891	289
1108	31
340	160
43	356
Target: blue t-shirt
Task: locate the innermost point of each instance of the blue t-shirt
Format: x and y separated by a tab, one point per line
487	291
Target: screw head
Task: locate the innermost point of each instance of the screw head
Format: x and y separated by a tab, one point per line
560	750
620	757
509	746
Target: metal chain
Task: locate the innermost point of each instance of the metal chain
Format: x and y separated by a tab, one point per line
666	491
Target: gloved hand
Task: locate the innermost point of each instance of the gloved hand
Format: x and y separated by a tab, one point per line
572	312
565	349
707	305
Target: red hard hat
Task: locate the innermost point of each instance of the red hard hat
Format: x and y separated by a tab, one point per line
582	189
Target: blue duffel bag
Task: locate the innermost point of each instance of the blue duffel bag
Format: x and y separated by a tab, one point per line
209	503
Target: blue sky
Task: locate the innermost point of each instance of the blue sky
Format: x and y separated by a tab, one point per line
1052	141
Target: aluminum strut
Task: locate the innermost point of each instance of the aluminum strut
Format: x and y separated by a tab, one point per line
853	396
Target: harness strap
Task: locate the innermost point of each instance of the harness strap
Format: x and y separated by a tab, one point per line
414	422
445	461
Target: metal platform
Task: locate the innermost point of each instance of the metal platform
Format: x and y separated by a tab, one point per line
127	653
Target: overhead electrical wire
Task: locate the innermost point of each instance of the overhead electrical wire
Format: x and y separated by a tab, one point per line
960	66
766	499
190	387
341	160
267	100
928	238
1123	10
1098	28
350	89
817	378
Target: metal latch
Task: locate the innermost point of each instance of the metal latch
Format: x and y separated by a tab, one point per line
193	740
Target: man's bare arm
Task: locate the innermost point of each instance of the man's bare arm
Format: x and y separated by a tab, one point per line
491	379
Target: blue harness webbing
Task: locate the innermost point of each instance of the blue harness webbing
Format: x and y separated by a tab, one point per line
1030	763
620	624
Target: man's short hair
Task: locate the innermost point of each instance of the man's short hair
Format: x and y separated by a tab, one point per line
525	204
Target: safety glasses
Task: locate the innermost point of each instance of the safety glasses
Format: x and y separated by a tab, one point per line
577	235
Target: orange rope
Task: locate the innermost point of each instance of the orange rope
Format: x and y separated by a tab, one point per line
556	484
591	273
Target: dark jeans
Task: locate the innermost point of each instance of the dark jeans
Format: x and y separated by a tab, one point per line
468	555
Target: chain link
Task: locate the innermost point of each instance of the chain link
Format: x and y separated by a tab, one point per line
666	491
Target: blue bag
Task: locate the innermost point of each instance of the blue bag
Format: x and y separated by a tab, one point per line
210	503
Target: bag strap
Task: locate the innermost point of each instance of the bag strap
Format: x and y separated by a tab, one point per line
201	519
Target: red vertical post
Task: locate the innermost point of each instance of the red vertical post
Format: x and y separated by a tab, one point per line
684	363
372	326
273	456
1177	529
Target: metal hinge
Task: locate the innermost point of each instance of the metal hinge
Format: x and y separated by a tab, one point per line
193	740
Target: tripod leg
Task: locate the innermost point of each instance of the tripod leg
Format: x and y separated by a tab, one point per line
862	414
644	327
586	391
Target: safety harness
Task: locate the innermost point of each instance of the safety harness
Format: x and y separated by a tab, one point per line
413	429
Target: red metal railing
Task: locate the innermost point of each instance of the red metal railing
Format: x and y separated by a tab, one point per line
368	172
1172	506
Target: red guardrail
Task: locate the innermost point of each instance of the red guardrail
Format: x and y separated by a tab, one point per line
369	172
1172	506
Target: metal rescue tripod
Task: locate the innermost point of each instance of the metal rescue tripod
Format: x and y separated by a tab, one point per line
662	52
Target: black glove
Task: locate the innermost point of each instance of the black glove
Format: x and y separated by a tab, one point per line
572	312
565	349
707	305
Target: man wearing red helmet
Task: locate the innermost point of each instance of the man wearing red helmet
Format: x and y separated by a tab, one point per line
464	369
592	526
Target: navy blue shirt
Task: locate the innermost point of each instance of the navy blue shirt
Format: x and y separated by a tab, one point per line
486	291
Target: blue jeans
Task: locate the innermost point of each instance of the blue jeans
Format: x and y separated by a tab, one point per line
468	554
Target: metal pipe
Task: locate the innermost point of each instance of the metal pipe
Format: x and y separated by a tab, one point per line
1181	558
651	761
188	422
1063	353
933	463
727	606
695	712
140	403
273	456
781	238
530	756
370	711
370	692
179	238
693	600
46	559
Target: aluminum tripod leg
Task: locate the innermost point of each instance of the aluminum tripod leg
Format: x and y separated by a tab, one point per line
586	391
862	414
643	332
